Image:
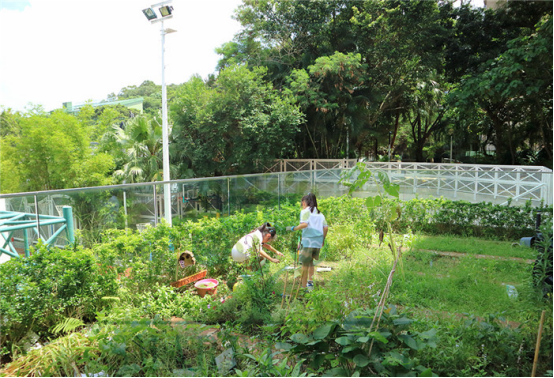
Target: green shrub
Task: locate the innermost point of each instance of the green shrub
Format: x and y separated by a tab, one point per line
50	285
486	347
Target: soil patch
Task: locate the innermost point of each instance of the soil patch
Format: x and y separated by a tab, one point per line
459	254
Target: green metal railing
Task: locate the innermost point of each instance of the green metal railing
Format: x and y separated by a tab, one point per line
12	221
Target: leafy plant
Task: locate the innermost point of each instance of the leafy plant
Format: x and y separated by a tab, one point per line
40	291
67	325
60	358
353	347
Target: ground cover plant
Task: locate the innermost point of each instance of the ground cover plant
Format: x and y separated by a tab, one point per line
444	315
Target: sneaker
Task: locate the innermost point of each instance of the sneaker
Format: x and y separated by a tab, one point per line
310	286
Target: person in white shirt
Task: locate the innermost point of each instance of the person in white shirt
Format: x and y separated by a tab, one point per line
255	242
314	230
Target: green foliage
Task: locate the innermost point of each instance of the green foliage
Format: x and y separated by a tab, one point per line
350	347
441	216
133	346
40	291
513	91
231	126
326	331
67	325
138	149
483	347
51	152
266	364
60	358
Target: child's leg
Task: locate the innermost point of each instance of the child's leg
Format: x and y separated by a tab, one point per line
311	273
307	262
315	256
305	272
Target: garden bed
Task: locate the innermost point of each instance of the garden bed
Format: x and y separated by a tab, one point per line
447	309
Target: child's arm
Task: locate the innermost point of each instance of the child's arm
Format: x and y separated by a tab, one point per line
301	226
265	255
267	246
325	229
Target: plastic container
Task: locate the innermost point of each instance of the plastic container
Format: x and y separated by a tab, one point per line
206	286
511	290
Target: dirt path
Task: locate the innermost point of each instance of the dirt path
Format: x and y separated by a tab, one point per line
459	254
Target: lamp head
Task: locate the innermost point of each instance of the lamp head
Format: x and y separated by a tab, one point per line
150	14
166	10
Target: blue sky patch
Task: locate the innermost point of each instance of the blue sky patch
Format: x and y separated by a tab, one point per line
17	5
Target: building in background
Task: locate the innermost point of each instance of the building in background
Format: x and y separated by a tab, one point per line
135	104
494	4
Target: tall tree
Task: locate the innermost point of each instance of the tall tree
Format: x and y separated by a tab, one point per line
137	145
232	125
514	91
51	152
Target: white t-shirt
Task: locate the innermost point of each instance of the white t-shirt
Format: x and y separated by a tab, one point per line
246	245
312	236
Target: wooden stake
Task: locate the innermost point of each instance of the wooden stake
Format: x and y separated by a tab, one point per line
285	288
300	285
537	347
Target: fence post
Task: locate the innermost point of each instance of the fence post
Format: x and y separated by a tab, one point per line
439	178
518	184
228	196
495	183
476	184
68	216
155	206
456	183
279	191
38	221
546	190
125	208
26	242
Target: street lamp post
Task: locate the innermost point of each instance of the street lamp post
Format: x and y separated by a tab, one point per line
166	13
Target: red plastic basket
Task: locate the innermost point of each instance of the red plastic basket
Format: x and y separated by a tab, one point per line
189	279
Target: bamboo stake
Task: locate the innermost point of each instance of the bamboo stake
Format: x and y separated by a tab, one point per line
291	292
300	284
285	288
293	275
537	347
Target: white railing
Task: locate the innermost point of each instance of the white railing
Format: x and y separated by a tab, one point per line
473	182
296	165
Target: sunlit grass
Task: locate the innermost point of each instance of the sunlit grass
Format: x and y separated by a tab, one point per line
473	246
441	284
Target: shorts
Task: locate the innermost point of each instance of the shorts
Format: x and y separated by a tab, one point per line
308	255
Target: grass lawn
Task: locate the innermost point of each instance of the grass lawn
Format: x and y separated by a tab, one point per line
472	246
431	283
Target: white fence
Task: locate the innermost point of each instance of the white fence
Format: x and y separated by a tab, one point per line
476	183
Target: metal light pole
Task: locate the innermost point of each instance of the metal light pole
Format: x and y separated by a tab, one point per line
165	11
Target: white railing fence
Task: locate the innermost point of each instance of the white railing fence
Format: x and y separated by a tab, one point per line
476	183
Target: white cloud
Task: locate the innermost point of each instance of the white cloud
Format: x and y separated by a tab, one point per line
57	51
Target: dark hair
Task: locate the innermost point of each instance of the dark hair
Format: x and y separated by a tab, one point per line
267	228
311	202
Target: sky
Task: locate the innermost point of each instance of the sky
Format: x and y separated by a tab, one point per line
56	51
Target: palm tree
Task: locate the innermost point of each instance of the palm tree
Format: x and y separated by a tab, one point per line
141	141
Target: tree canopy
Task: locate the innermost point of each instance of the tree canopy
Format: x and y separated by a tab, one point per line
316	79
